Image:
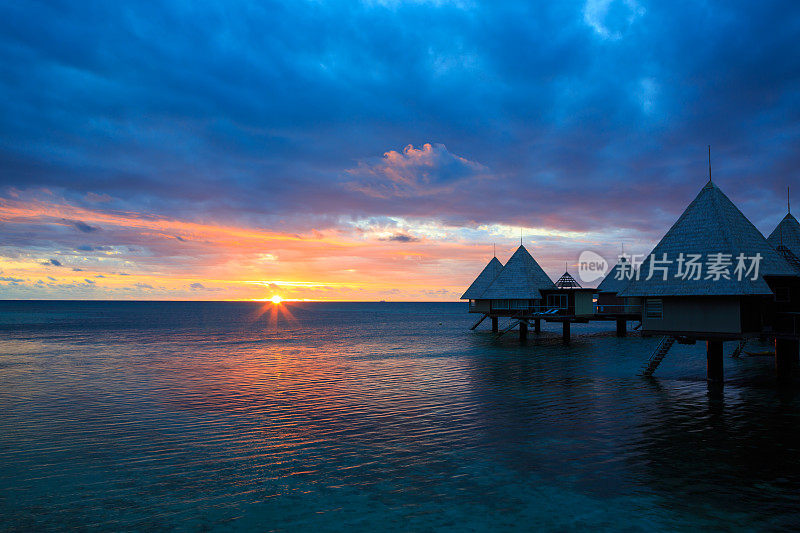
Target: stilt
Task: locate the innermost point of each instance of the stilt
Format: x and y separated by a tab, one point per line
494	324
565	332
622	327
523	331
537	326
714	361
785	354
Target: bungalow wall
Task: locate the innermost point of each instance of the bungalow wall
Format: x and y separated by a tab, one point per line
584	304
480	306
633	305
693	314
570	301
514	305
608	303
783	309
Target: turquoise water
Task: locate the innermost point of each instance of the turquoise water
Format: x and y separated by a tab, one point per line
328	416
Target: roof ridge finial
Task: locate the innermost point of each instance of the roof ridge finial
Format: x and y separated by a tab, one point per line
788	203
709	164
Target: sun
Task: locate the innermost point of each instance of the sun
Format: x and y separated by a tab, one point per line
276	299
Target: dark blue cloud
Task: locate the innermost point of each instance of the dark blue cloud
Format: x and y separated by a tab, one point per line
401	237
82	226
580	115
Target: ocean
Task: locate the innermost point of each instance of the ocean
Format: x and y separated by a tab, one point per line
319	417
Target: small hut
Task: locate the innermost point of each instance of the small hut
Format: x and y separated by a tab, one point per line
481	283
610	305
785	238
566	281
518	286
569	298
706	301
608	300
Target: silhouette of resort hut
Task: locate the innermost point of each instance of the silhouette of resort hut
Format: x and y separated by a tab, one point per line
610	305
481	283
518	286
569	298
608	300
566	281
785	238
713	306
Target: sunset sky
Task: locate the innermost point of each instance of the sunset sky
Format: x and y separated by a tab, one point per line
374	150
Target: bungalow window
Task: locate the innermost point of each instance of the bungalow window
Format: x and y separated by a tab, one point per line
654	308
557	301
782	294
500	304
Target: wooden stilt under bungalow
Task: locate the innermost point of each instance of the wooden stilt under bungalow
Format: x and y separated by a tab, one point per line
785	357
701	281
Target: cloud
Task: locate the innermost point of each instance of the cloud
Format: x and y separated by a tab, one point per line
52	262
11	280
197	286
143	286
414	172
586	122
82	226
401	237
611	19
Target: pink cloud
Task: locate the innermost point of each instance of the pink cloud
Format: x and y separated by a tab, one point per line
415	172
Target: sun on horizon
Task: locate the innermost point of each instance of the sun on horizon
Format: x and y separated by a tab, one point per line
276	299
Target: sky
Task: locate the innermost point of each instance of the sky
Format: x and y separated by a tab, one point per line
374	150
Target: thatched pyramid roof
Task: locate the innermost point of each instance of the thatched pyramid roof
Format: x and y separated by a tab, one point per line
711	224
520	279
484	279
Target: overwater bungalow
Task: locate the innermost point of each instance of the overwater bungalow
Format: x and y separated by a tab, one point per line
517	288
516	292
523	292
476	303
714	277
569	298
785	238
610	304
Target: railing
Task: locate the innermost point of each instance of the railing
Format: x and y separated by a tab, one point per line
536	309
617	309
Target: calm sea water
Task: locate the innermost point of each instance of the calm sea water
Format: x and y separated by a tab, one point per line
329	416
